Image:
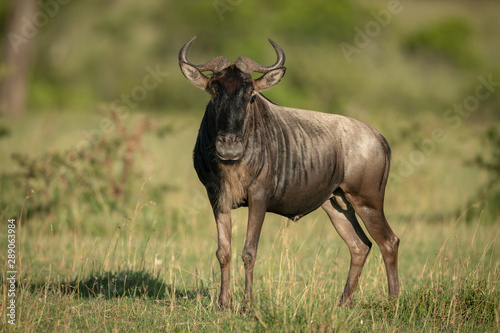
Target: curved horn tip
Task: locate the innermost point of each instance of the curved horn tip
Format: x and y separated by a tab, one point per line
184	48
273	43
279	51
189	42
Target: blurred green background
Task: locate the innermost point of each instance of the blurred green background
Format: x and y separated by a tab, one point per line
425	58
412	69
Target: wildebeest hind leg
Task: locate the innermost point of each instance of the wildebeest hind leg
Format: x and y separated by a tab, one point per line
344	220
370	210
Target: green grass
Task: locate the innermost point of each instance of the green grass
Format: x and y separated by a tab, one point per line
453	285
151	266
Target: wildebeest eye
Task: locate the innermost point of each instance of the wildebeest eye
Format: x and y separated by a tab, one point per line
213	90
250	91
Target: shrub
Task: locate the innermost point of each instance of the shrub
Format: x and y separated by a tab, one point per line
449	40
489	160
98	175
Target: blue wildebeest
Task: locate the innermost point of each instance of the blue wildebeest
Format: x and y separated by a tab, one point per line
251	152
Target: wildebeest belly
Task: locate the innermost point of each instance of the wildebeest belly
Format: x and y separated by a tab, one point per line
306	170
299	198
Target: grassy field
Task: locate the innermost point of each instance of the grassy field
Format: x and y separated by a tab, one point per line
114	232
148	263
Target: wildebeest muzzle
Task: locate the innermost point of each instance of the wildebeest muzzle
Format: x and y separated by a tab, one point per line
229	147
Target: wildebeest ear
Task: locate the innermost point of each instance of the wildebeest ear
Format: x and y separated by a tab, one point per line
193	75
270	79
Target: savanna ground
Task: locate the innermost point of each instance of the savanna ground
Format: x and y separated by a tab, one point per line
114	231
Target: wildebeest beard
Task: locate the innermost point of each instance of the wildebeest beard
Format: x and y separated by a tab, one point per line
231	91
234	179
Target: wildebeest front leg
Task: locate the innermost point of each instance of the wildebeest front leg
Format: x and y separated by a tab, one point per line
256	213
224	255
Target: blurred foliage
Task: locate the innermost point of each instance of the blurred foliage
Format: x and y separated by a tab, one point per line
4	131
450	39
90	52
488	160
491	163
316	20
83	57
102	171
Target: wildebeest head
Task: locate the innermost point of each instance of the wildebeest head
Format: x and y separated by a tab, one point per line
232	89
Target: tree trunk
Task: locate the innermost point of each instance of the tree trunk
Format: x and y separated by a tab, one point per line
18	54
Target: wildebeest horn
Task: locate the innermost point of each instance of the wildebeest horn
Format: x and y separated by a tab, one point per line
214	65
249	66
